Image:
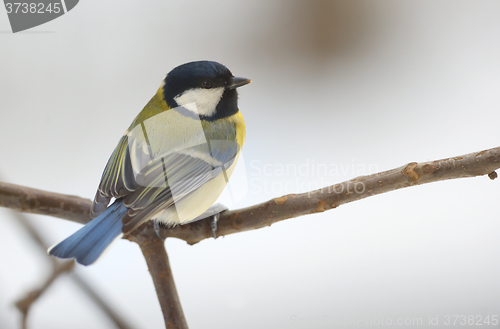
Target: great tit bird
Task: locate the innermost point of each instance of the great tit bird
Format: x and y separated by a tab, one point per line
171	164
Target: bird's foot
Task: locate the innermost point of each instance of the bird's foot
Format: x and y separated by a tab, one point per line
157	228
215	218
214	213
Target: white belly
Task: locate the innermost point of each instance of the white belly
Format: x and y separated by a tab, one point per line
196	203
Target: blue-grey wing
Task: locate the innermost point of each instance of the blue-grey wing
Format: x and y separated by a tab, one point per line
169	179
162	161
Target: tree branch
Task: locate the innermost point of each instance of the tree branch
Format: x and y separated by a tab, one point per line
153	249
30	200
265	214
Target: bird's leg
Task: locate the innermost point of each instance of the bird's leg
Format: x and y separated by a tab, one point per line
215	218
213	212
157	228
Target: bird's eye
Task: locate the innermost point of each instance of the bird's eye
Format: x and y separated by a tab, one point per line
207	84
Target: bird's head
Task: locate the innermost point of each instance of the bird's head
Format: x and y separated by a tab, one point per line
210	85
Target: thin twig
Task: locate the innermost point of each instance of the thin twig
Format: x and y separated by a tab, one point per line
59	268
25	303
107	309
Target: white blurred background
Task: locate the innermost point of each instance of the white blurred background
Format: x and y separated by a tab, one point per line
360	86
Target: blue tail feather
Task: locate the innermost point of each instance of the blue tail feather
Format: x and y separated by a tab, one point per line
89	242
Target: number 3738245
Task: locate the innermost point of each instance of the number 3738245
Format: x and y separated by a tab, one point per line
33	8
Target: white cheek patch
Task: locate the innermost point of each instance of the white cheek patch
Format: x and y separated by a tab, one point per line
206	100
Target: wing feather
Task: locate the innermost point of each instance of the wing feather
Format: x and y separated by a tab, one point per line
150	178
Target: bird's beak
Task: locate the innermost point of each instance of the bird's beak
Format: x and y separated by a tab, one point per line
236	82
